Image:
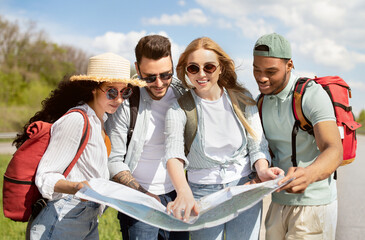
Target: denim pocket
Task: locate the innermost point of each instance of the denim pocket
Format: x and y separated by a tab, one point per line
76	211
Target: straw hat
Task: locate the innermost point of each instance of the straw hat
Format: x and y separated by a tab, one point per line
109	67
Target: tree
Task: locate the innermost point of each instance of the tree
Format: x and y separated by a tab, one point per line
361	118
29	62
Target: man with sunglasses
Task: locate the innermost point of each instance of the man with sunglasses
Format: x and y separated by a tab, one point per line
137	162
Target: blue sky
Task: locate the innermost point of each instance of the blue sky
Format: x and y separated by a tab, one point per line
327	36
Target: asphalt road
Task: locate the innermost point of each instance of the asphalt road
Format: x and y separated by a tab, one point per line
6	148
351	198
351	195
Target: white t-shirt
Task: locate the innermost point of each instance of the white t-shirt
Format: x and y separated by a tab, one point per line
150	172
222	139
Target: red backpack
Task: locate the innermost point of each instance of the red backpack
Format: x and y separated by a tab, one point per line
339	93
20	194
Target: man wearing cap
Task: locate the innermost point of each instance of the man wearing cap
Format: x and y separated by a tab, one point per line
137	162
306	208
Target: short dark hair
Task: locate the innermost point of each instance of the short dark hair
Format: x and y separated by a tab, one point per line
153	47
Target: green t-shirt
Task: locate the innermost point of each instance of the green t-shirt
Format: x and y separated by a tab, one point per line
278	120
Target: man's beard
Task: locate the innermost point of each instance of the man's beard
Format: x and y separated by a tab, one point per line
282	86
154	97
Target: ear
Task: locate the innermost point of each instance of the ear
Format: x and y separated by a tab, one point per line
289	65
95	89
136	67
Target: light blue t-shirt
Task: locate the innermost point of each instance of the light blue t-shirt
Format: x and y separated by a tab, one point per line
278	120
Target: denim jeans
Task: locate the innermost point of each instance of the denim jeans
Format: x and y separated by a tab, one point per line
66	218
134	229
245	226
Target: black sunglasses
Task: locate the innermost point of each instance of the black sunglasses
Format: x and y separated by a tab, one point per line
113	93
152	78
208	68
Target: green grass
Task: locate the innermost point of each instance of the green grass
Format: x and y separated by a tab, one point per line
10	230
361	130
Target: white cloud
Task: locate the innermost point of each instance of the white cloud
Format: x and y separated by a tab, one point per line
253	29
181	3
119	43
124	44
356	85
176	50
228	8
327	52
224	24
308	74
330	33
193	16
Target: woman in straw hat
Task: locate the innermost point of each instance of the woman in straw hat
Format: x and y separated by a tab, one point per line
101	91
229	143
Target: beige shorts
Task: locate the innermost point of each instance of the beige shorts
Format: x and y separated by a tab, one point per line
301	222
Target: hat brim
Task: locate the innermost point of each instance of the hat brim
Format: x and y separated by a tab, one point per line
132	81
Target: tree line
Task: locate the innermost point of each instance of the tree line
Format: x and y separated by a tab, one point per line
31	65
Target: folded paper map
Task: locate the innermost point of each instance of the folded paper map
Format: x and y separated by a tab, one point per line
215	209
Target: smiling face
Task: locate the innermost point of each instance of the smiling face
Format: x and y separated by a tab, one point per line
205	83
271	74
101	103
150	67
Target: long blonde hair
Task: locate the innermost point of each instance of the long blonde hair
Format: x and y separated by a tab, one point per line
227	79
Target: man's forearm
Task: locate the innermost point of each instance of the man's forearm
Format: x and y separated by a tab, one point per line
126	178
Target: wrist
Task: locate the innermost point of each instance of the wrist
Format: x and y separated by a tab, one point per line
183	190
261	165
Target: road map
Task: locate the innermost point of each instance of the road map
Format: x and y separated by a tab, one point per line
215	209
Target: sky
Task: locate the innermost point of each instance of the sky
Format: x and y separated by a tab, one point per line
327	36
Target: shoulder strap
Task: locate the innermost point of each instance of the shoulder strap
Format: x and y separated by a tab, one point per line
177	86
83	142
299	91
300	120
187	103
133	106
238	106
259	104
260	100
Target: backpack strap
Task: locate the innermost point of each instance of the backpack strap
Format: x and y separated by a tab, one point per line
299	90
300	120
42	202
83	142
238	106
259	104
187	104
133	106
260	100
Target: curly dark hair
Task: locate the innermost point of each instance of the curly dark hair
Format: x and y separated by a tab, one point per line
68	94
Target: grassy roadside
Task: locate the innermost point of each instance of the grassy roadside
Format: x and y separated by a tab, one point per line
10	230
14	117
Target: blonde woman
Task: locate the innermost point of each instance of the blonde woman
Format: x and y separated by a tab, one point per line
229	144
